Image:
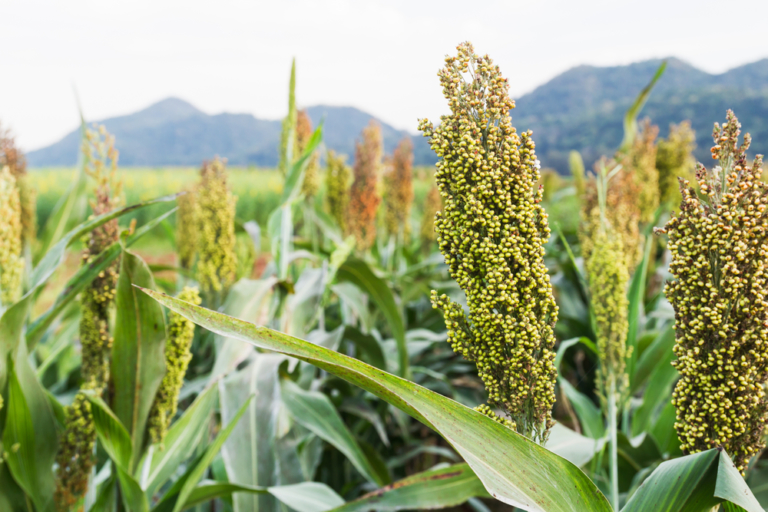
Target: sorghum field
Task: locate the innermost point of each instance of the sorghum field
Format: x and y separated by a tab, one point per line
351	333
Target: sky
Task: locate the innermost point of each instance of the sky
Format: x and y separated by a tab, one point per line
379	56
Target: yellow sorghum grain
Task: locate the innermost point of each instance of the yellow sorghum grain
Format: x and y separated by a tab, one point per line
719	261
11	260
492	232
398	197
674	159
217	262
364	195
177	358
338	177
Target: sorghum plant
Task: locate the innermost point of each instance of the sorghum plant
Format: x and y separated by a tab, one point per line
338	177
576	164
186	229
217	262
674	159
398	198
641	161
719	248
432	204
304	131
75	457
492	232
12	157
177	357
364	195
11	260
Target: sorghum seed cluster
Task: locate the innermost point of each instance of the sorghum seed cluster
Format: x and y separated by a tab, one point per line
364	195
398	197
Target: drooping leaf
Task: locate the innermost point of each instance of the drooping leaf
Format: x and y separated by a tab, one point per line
538	480
316	412
138	352
437	488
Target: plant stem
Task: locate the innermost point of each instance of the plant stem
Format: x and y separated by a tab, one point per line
612	428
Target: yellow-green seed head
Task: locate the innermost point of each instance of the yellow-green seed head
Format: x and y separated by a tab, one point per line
674	159
11	260
642	163
720	264
338	177
12	157
186	229
398	186
177	357
576	164
75	456
217	262
491	232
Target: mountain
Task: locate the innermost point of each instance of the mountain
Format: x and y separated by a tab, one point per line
581	109
173	132
584	107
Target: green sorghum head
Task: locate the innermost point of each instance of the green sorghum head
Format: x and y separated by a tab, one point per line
576	165
608	277
186	228
11	260
398	186
11	156
311	183
338	178
719	261
491	232
177	357
288	133
75	456
641	160
216	259
674	159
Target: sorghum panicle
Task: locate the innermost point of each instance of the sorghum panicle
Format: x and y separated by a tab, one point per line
398	197
432	205
364	195
674	159
177	357
621	202
11	260
492	232
288	134
338	177
719	261
217	262
304	132
11	156
642	163
75	456
186	228
576	165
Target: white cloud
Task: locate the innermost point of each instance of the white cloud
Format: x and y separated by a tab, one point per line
381	56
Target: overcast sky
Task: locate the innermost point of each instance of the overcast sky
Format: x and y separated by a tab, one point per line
380	56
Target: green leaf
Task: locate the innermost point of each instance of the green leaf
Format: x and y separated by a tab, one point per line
315	412
656	353
694	483
589	416
107	498
197	472
111	433
630	118
138	351
295	177
82	278
360	274
573	446
180	441
636	296
657	393
437	488
512	468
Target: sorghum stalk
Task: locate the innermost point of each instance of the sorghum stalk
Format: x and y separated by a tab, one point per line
674	159
75	457
398	197
364	195
719	250
304	131
177	357
492	232
11	260
217	262
186	228
338	177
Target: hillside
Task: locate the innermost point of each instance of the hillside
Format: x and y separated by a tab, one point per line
580	109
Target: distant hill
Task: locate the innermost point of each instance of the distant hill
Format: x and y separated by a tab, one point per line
580	109
173	132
